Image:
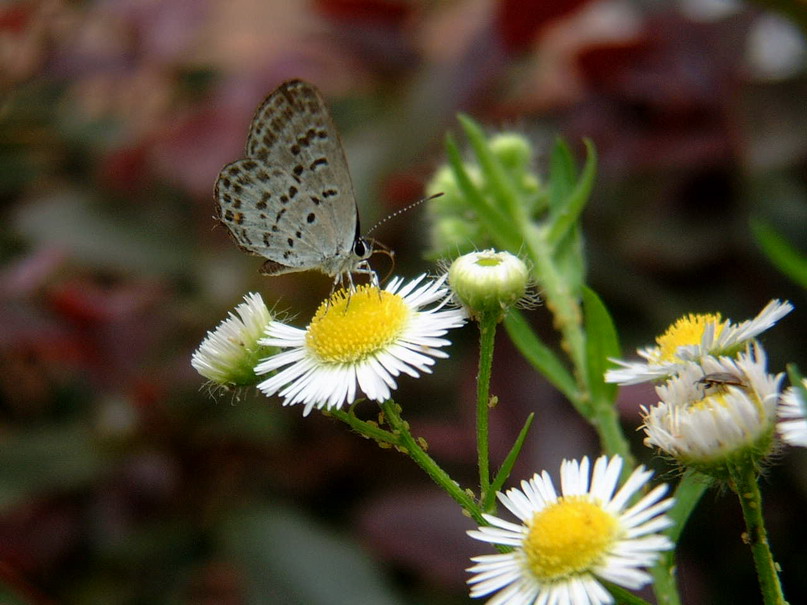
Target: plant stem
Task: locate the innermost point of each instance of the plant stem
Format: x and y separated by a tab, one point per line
568	319
744	476
409	445
564	305
368	429
487	334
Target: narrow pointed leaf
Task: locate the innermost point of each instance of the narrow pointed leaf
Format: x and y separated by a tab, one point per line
623	596
562	174
780	252
602	343
507	466
494	220
493	171
569	212
688	493
538	354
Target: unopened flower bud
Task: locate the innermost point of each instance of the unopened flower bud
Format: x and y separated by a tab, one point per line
488	281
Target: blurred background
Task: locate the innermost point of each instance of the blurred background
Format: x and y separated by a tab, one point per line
122	481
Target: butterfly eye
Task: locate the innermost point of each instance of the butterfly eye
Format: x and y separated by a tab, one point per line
362	248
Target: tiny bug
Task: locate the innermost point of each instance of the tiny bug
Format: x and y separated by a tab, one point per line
721	379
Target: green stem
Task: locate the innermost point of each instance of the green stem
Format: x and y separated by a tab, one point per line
368	429
564	305
605	419
664	585
568	319
409	445
744	476
487	334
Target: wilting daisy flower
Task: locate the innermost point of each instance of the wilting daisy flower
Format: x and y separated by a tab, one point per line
713	411
359	340
565	543
228	354
692	338
792	423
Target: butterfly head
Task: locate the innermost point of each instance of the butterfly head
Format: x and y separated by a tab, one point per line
362	249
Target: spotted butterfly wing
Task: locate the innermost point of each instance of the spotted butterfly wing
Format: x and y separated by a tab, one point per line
291	200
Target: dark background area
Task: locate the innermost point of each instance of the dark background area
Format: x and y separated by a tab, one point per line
122	481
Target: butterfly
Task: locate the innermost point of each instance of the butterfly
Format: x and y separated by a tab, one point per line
290	200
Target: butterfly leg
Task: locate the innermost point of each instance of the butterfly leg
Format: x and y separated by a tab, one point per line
364	268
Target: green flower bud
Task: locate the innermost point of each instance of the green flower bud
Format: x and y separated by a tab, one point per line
452	202
488	281
513	150
451	236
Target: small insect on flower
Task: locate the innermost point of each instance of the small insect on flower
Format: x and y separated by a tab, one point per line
693	338
721	380
707	415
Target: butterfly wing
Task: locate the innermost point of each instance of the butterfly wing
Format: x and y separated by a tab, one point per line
295	169
277	215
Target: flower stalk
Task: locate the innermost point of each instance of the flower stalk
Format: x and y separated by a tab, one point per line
487	336
406	442
745	482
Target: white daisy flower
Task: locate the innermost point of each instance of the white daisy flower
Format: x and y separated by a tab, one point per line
792	422
565	544
711	411
361	339
228	354
691	338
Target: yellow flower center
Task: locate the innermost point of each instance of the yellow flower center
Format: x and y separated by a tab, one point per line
350	326
568	538
721	400
488	261
686	331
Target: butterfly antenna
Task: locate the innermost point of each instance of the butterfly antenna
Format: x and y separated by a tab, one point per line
401	211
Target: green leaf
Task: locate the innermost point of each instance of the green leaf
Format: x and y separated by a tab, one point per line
780	253
569	257
507	466
562	174
287	558
602	343
568	213
794	374
623	596
538	354
688	493
494	220
493	171
567	249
